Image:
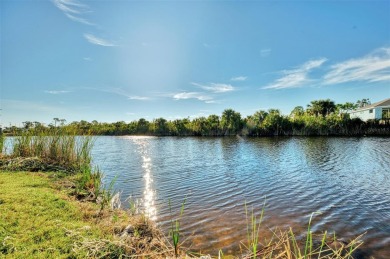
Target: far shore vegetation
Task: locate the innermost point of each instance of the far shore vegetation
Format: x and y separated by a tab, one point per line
320	118
53	203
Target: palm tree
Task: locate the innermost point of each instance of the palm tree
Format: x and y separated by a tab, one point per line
230	121
321	107
363	102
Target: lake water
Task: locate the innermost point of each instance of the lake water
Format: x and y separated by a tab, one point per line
346	179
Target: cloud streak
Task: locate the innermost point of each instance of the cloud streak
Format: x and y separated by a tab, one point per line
139	98
238	78
78	19
216	88
72	8
120	92
193	95
265	52
374	67
67	6
296	77
371	68
56	92
207	96
98	41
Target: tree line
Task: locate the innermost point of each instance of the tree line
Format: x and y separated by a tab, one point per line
320	117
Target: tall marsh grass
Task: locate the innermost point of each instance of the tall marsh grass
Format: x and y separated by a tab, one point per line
287	244
55	147
61	150
253	229
2	139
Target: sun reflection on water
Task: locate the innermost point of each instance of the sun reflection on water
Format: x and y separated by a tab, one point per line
149	193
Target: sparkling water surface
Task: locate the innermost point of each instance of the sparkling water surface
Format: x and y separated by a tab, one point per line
346	180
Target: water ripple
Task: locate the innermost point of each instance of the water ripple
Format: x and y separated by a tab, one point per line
347	180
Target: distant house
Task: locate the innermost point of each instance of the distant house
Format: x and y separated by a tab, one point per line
375	111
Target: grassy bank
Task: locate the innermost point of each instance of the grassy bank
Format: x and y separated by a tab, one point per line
58	208
38	219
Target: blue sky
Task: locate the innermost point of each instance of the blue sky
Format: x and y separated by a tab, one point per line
124	60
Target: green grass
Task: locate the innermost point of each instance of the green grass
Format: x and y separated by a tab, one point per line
38	222
38	219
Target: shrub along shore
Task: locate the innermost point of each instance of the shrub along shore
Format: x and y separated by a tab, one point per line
53	205
320	118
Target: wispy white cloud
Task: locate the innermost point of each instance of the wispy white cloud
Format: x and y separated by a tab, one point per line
239	78
98	41
78	19
72	8
296	77
374	67
67	6
56	92
120	92
216	88
193	95
139	98
311	64
213	101
87	58
207	97
265	52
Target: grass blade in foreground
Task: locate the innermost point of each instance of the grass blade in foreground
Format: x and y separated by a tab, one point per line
253	229
175	227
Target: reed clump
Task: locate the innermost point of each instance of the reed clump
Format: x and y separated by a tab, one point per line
1	141
286	244
59	149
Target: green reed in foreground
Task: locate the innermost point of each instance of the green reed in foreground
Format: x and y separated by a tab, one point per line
55	147
175	227
61	150
285	244
253	229
1	141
